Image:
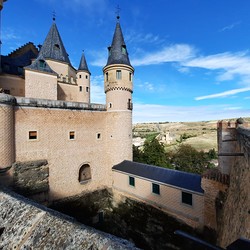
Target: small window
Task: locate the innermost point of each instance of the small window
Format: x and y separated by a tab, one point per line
187	198
130	104
80	88
42	64
32	135
130	77
107	76
84	173
72	135
57	46
131	181
155	188
86	76
98	135
118	74
80	76
87	89
110	105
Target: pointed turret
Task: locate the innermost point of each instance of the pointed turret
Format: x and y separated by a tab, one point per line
53	47
83	81
83	64
117	51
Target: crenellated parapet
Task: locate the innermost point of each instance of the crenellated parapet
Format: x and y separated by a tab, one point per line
228	143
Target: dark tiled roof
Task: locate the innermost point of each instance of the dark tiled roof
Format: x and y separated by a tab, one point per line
18	59
171	177
40	65
53	47
117	51
83	64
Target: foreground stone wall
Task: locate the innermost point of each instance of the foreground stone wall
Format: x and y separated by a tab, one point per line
25	225
234	221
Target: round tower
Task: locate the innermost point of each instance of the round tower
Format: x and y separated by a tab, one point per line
83	81
6	130
118	87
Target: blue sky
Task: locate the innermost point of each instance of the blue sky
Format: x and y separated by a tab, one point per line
191	57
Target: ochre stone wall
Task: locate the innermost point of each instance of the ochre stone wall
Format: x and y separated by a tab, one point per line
235	219
40	85
64	155
15	84
211	194
169	200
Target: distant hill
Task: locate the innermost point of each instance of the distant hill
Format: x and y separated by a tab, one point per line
201	135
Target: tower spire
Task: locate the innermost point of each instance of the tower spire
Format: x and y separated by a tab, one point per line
118	9
54	16
117	51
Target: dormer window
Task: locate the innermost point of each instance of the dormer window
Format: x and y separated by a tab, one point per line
109	49
124	51
57	46
42	64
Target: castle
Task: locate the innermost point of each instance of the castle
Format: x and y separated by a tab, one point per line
51	116
54	139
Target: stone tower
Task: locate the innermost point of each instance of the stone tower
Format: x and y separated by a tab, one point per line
118	86
83	81
7	154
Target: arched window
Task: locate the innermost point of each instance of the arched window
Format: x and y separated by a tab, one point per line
84	173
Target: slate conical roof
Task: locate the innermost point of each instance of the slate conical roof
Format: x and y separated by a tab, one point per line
117	51
53	47
83	64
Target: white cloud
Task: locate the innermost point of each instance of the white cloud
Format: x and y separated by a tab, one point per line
223	94
160	113
173	53
97	91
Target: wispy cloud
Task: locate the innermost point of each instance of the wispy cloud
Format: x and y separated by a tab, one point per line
229	27
223	94
147	86
228	65
156	113
173	53
134	37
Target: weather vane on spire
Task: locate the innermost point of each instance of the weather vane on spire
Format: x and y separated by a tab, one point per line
118	9
54	15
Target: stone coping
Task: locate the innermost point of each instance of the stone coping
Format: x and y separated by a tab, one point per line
46	103
26	224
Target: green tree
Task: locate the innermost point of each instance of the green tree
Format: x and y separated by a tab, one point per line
188	159
154	154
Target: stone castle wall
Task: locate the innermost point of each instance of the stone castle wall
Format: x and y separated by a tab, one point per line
235	216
